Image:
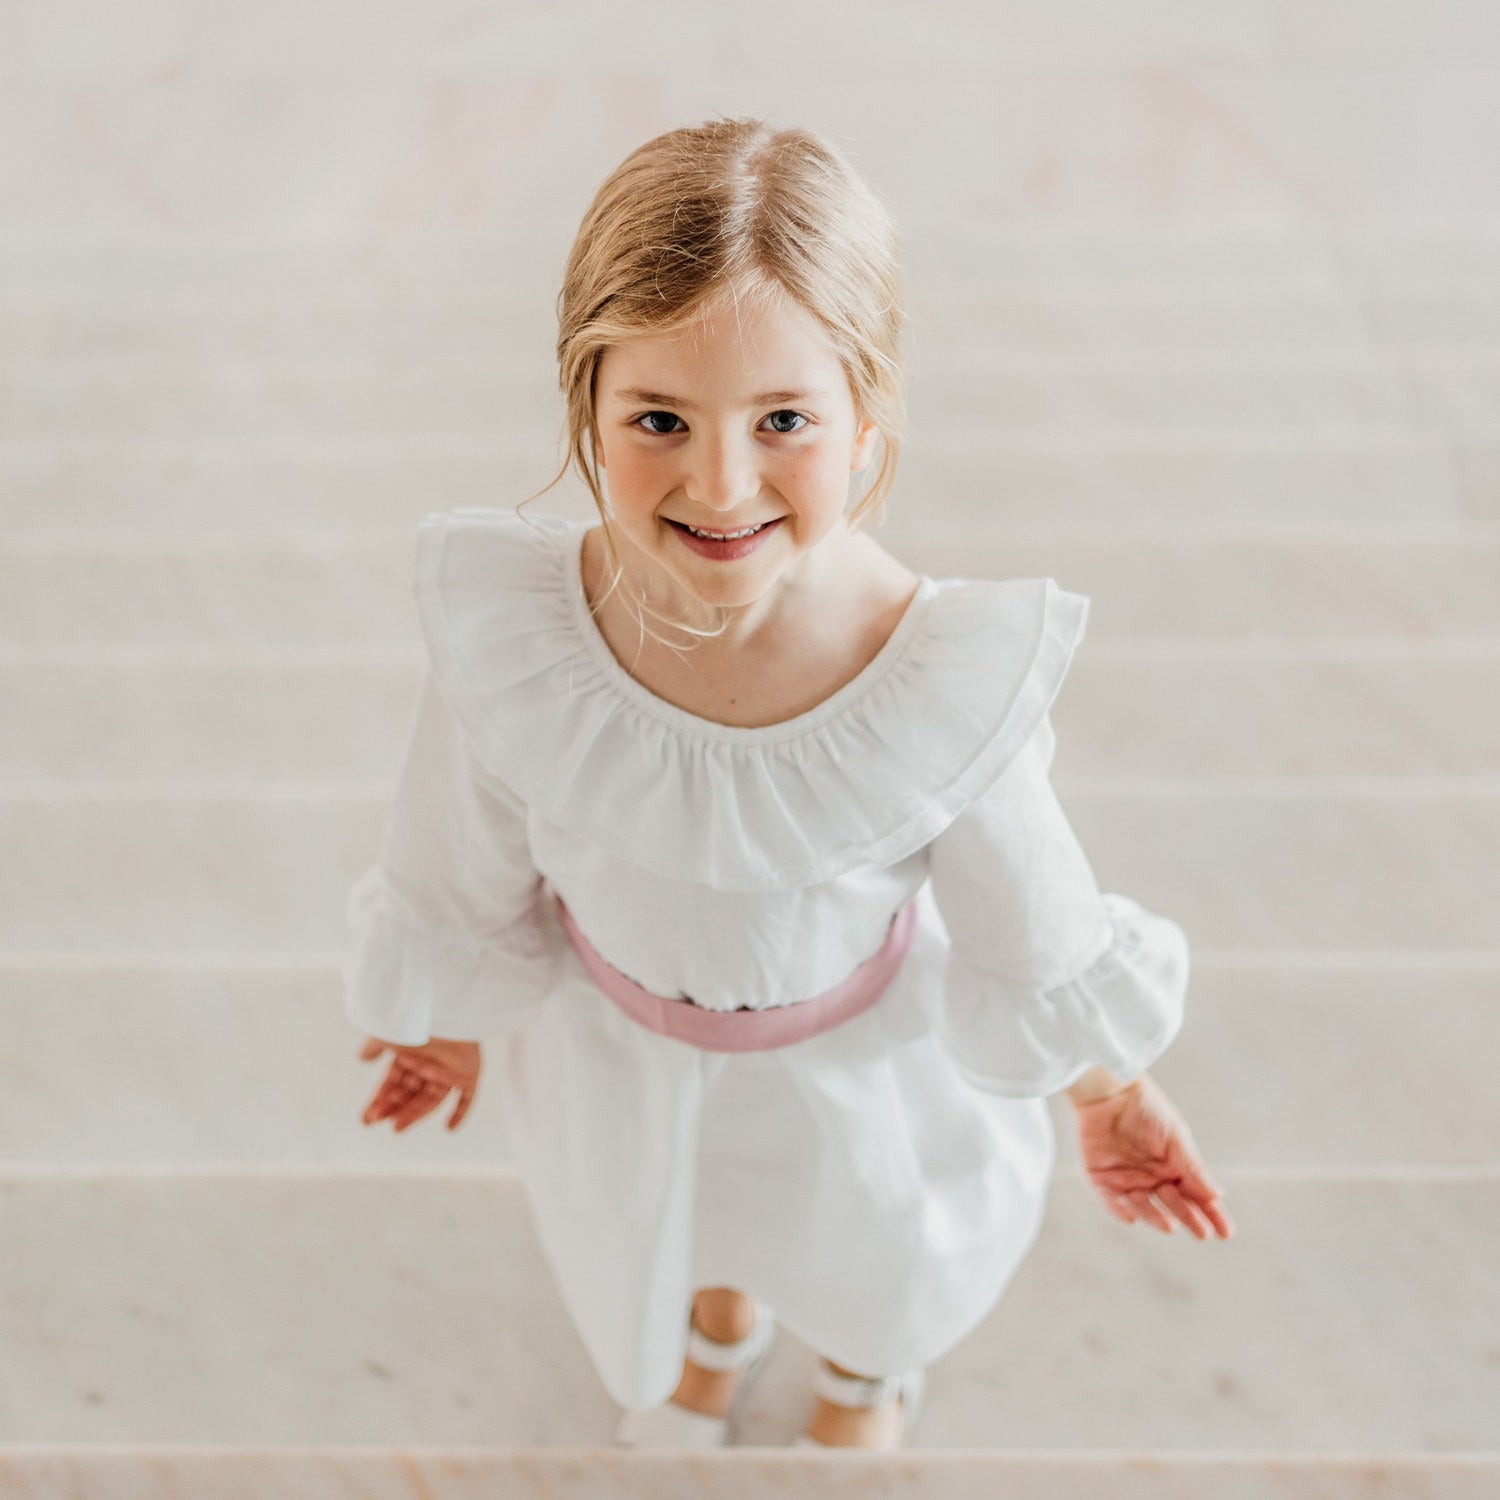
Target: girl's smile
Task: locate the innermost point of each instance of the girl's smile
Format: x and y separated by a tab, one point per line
737	545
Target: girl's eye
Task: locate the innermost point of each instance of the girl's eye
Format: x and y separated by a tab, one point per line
797	414
668	416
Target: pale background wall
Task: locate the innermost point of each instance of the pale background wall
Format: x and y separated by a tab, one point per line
340	119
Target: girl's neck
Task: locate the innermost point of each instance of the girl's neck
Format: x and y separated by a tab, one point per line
845	568
792	665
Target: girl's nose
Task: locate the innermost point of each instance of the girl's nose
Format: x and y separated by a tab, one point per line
721	475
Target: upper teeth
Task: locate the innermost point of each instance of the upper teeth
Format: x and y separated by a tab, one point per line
726	536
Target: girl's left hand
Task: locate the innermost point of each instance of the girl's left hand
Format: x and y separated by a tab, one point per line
421	1077
1136	1143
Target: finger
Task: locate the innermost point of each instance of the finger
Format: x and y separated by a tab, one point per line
1221	1221
465	1099
431	1099
398	1084
1197	1183
411	1110
381	1106
1206	1201
1182	1208
1185	1209
380	1103
371	1048
1149	1211
423	1102
403	1089
390	1095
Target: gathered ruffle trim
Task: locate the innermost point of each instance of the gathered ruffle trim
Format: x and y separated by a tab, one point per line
1121	1012
867	777
406	983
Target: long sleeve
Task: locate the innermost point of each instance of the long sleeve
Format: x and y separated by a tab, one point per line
448	933
1047	976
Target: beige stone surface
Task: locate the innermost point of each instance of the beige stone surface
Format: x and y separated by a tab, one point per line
411	1309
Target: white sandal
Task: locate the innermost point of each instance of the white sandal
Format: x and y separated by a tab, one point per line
672	1426
860	1391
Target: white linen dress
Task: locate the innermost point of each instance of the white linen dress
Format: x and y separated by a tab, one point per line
877	1185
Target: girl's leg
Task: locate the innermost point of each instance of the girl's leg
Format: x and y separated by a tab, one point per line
726	1315
723	1313
855	1427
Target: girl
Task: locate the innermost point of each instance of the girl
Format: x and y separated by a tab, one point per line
736	838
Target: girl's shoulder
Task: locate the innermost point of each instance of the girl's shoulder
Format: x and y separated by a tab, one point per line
867	776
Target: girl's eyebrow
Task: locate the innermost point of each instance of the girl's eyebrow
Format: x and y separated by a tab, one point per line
657	398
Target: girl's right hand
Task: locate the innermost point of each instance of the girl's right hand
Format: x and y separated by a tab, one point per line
419	1079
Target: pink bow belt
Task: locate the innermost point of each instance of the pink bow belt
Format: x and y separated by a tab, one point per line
749	1030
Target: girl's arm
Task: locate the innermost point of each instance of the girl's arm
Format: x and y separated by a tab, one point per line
1051	984
449	932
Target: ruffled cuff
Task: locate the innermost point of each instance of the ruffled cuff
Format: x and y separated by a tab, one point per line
405	982
1121	1012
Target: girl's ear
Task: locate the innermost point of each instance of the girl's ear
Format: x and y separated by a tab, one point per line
864	445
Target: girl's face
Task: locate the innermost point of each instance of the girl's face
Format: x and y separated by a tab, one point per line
743	419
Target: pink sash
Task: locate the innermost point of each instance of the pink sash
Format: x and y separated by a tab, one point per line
749	1030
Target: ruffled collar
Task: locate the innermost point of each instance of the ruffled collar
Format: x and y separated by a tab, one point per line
688	723
868	776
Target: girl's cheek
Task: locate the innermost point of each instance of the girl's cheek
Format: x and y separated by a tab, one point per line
629	469
824	470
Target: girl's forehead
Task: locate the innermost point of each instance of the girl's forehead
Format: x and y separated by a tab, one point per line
751	338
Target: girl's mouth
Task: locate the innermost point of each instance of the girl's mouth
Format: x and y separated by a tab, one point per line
725	551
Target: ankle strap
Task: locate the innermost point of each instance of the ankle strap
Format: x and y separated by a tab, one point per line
711	1354
854	1390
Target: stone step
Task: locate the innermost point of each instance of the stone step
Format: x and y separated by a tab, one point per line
1374	708
154	1471
219	1059
959	316
201	266
316	594
1397	864
392	1310
129	402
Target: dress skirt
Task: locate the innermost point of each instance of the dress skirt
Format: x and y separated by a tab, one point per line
853	1181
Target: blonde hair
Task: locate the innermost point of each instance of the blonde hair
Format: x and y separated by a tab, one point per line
732	207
